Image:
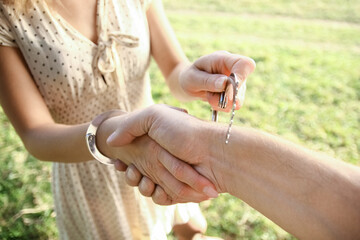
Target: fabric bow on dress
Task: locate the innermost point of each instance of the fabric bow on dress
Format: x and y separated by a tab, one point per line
107	63
107	57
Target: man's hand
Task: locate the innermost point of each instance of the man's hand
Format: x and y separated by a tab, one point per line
162	171
177	132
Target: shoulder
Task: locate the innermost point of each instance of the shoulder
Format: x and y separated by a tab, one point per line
8	14
7	18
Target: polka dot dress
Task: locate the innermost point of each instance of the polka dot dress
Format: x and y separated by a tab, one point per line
79	79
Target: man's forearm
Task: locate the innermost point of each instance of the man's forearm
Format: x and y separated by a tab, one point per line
308	194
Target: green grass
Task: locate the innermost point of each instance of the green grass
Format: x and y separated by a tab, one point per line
337	10
306	88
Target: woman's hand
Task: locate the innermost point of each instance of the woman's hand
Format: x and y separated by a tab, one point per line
147	158
175	131
206	78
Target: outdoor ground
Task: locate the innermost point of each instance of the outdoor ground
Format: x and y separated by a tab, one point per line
306	88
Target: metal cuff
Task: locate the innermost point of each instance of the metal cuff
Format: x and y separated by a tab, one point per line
91	136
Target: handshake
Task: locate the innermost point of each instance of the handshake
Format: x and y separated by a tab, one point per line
165	152
174	157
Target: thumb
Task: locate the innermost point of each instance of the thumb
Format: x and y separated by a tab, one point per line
137	124
203	81
129	127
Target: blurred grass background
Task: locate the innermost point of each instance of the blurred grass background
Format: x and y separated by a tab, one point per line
306	88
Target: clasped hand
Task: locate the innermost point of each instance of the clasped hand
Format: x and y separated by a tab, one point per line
143	156
158	155
159	144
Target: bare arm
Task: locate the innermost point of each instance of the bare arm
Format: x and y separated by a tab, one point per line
309	194
166	49
49	141
28	113
206	77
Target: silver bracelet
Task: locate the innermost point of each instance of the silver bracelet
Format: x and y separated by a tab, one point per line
91	136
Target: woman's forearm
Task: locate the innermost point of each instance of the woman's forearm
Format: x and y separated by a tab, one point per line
58	143
65	143
308	194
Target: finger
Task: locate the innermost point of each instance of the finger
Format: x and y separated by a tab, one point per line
222	62
130	126
135	124
178	190
240	97
160	197
213	100
146	186
120	166
187	174
132	176
243	67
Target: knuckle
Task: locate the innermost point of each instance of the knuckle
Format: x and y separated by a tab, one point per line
154	108
208	83
132	176
145	191
154	156
154	149
178	170
160	197
147	186
130	182
180	193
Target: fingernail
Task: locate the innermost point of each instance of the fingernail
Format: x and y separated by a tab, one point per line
131	174
110	138
220	83
210	192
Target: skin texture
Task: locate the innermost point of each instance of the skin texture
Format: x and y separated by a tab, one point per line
310	195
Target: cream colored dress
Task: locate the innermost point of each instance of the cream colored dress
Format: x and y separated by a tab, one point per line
79	79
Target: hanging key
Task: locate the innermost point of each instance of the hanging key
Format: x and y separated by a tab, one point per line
234	82
222	104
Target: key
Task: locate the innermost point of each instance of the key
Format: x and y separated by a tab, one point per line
232	80
222	104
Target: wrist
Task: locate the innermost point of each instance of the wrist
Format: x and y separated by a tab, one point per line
213	136
227	161
104	129
176	80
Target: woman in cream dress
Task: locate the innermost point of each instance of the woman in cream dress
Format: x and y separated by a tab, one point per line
64	62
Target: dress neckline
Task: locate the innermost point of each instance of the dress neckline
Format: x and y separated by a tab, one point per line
100	8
